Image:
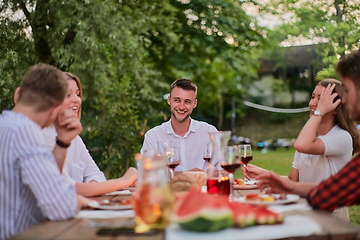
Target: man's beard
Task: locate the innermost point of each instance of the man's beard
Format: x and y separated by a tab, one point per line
173	113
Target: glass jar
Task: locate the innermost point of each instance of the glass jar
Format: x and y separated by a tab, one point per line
218	181
153	198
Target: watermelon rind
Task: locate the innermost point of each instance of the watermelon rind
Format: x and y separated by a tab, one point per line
206	212
246	220
206	220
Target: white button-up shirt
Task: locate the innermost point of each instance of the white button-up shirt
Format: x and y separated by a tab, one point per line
191	146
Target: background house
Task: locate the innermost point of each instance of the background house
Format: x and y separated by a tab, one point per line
287	76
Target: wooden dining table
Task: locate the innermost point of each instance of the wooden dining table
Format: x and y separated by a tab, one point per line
82	228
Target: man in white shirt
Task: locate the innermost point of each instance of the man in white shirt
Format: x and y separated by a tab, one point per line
189	136
32	188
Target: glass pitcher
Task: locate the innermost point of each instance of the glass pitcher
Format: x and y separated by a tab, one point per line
153	197
217	178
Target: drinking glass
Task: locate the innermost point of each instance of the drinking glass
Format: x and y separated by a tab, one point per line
218	181
217	178
231	163
207	154
166	148
163	146
246	155
173	157
153	197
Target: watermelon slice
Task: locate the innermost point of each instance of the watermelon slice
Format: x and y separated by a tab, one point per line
266	216
202	212
243	214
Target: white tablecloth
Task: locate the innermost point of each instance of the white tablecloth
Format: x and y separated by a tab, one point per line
294	225
105	214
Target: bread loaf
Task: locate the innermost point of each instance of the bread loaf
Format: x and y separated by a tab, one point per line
183	182
199	176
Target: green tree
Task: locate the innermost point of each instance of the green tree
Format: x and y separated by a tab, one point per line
108	54
215	46
333	24
126	53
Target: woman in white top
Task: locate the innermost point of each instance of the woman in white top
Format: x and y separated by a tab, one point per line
79	165
324	145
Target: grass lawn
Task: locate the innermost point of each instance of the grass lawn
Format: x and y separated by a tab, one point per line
280	161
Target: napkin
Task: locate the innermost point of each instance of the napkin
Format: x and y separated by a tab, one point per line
294	225
290	207
105	214
122	192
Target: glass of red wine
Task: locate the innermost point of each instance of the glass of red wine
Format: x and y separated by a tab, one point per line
246	155
207	154
231	163
173	157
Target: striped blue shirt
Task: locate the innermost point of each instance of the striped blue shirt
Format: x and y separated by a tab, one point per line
31	186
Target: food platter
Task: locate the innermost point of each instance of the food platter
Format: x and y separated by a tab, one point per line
289	198
97	205
246	186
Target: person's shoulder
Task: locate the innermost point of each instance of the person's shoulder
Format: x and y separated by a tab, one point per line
26	133
356	157
16	120
49	132
336	130
202	124
159	128
24	125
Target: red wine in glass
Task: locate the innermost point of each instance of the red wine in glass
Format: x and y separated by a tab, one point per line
230	167
246	160
173	165
207	159
207	154
215	186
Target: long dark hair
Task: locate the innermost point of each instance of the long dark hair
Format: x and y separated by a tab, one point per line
342	118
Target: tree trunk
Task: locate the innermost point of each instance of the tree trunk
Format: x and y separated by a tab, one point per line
339	19
40	22
221	112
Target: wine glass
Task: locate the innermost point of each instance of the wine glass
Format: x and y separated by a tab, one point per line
246	155
173	156
208	154
231	163
163	146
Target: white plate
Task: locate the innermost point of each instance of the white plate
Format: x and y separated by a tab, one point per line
121	192
250	184
289	198
95	204
245	186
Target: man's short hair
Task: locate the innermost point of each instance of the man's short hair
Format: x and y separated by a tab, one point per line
349	67
185	84
43	87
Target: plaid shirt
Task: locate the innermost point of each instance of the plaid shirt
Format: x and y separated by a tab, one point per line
342	189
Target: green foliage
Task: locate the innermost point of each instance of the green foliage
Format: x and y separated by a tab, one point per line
215	48
126	54
334	24
278	117
327	73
